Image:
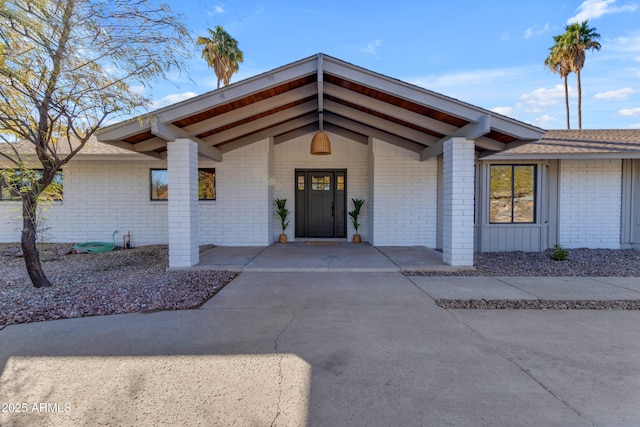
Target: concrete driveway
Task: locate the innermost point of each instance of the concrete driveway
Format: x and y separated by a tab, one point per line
326	349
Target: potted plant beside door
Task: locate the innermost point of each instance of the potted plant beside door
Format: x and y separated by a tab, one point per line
283	213
357	205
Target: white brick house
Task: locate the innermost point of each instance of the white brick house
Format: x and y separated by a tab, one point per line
434	172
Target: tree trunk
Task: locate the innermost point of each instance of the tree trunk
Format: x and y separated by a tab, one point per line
579	100
29	249
566	100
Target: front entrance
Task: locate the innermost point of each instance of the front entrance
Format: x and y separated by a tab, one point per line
320	203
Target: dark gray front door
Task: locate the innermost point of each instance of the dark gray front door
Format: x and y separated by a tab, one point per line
320	203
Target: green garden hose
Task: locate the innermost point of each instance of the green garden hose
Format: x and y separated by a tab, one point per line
97	247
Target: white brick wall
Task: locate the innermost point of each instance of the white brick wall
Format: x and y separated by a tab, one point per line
458	202
294	154
405	194
108	195
99	198
240	215
590	203
103	196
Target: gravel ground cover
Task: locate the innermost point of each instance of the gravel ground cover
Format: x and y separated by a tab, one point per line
539	304
126	281
121	281
581	262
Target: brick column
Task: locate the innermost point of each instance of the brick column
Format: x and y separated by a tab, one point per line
458	202
183	215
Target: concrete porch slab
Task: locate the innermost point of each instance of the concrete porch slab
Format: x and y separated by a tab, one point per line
322	256
417	258
232	258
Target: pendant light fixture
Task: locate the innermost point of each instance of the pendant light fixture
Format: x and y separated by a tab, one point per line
320	144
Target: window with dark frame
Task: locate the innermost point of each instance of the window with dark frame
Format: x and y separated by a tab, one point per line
54	190
159	184
512	194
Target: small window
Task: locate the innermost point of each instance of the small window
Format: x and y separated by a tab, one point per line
206	184
512	197
54	191
159	184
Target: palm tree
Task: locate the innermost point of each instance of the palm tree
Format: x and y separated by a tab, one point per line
558	63
576	40
221	52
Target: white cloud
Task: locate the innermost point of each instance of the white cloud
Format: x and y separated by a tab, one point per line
544	120
216	9
590	9
544	97
470	78
172	99
505	111
627	44
634	126
138	89
535	31
505	36
629	112
372	47
615	95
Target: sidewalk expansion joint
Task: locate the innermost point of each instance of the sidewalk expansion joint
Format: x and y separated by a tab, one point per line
525	371
280	374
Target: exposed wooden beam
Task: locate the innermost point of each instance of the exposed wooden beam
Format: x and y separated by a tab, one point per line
430	99
320	87
150	144
255	125
252	109
371	131
433	151
287	136
404	90
377	122
171	133
211	99
473	131
389	109
347	133
273	131
489	144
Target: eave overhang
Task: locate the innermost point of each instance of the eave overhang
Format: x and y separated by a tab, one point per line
314	93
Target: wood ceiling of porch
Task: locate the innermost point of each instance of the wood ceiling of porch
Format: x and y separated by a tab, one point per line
319	92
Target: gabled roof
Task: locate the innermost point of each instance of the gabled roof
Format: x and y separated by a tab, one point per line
313	93
558	144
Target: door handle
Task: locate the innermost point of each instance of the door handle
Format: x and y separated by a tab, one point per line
333	208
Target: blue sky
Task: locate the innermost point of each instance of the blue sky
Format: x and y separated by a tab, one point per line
488	53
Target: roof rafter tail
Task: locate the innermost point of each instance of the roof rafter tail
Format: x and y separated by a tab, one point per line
171	133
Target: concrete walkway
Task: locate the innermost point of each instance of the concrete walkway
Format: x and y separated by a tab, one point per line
334	348
323	256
